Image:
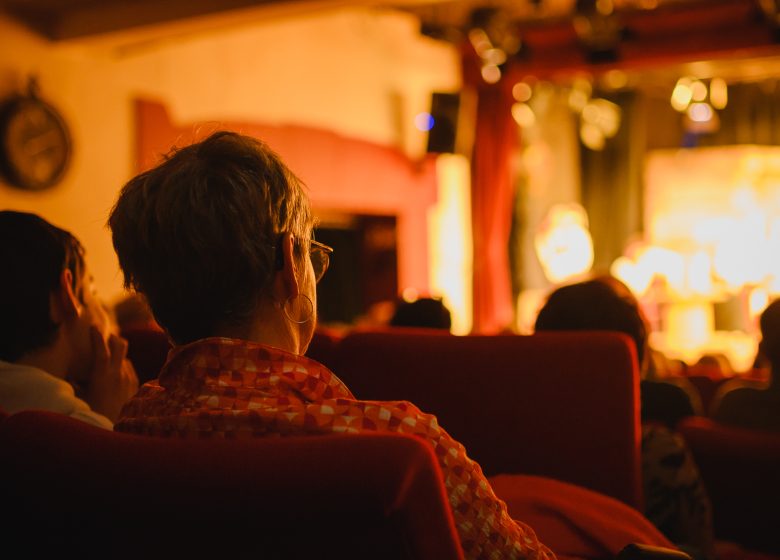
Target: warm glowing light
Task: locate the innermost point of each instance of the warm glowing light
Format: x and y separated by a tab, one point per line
712	228
410	295
636	275
616	79
719	209
491	73
605	7
603	114
669	266
757	301
698	91
494	56
581	91
682	95
450	253
700	274
423	122
737	260
719	93
563	243
523	115
592	136
700	112
479	40
522	92
690	325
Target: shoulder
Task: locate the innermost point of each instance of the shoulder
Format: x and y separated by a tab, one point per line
24	387
27	388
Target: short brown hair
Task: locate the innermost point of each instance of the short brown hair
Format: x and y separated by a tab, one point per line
595	305
197	234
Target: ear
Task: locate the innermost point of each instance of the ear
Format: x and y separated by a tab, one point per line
286	282
64	303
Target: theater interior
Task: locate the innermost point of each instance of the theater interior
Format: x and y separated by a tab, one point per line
480	152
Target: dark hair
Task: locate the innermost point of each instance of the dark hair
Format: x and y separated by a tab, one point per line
196	234
34	253
424	312
594	305
770	334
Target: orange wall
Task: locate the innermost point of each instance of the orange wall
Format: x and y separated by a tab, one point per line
342	174
359	73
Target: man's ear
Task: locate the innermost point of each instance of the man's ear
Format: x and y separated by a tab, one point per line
64	303
286	282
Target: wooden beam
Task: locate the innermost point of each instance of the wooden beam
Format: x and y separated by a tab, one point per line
705	30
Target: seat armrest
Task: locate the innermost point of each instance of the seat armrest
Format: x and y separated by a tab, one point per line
647	552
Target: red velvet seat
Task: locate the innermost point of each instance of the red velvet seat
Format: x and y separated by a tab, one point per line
323	346
76	490
741	469
561	405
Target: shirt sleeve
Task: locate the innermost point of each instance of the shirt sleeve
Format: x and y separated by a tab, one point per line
485	528
65	401
27	388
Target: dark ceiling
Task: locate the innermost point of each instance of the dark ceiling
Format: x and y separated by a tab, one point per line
69	19
651	33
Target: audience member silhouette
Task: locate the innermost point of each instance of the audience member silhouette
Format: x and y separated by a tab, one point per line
54	340
605	303
752	404
675	497
424	312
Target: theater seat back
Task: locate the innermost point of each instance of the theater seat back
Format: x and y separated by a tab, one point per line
70	489
562	405
741	470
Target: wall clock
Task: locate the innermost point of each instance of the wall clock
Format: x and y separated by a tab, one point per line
35	144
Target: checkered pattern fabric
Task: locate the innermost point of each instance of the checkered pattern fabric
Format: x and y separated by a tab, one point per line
228	388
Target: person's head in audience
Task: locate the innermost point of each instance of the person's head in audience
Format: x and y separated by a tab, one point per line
603	303
769	347
203	235
50	315
426	312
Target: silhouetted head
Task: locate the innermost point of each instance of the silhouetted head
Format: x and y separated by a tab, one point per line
770	335
603	304
424	312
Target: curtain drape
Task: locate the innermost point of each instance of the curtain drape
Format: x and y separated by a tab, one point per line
492	197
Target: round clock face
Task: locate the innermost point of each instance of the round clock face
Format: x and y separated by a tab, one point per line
35	144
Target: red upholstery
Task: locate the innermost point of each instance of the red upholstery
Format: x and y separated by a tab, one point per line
561	405
97	493
322	347
573	521
741	469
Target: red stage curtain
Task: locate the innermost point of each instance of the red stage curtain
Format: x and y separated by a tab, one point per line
492	197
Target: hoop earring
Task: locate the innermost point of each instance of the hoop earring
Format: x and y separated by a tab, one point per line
307	311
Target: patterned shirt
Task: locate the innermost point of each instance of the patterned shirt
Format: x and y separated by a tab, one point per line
227	388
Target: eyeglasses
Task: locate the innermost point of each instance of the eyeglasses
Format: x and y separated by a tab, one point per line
320	258
319	254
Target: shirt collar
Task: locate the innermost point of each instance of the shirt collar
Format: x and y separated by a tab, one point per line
224	362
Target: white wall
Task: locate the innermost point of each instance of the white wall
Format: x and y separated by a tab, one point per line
359	72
